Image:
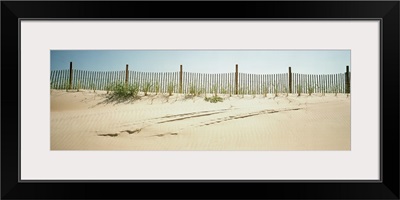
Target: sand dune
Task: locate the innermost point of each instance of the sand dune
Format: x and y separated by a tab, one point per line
85	120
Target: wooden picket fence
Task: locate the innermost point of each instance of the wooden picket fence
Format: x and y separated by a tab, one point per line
228	83
100	80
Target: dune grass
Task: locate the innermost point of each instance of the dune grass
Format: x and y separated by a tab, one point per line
276	90
146	87
170	88
265	90
286	90
299	90
193	89
335	89
122	91
157	87
310	90
215	98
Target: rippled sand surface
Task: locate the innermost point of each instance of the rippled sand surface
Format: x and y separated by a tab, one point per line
85	120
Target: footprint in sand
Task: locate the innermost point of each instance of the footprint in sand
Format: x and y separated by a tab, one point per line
109	134
132	131
162	135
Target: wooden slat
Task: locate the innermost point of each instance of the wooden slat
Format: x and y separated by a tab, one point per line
75	79
56	79
97	80
59	80
82	79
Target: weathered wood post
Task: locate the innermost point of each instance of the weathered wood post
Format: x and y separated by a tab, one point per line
236	79
70	75
347	81
180	79
126	74
290	80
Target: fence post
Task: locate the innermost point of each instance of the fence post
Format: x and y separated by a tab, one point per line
126	75
290	80
236	79
70	75
180	79
347	80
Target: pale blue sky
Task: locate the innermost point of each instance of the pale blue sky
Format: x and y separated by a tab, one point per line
205	61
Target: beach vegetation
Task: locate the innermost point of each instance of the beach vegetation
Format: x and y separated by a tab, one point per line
170	88
200	91
335	89
276	89
193	90
310	89
93	86
146	87
66	85
215	98
230	90
157	87
108	86
223	90
241	91
322	87
215	90
286	90
299	90
265	90
78	85
122	91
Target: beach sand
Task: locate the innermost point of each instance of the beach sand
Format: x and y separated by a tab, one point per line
85	120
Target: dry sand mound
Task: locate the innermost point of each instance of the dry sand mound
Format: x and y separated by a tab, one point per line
85	120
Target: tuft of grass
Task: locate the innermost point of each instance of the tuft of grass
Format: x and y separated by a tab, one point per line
322	87
66	85
299	90
122	91
214	99
192	90
93	86
132	90
215	90
51	86
276	90
146	87
79	85
253	93
223	90
157	87
170	88
265	90
109	87
241	91
335	89
286	90
230	90
310	90
200	91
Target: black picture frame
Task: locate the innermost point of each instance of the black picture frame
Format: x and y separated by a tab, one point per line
386	11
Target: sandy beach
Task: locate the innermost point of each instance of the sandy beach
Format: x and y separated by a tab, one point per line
86	120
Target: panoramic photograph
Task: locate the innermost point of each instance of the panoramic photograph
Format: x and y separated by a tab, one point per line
200	100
